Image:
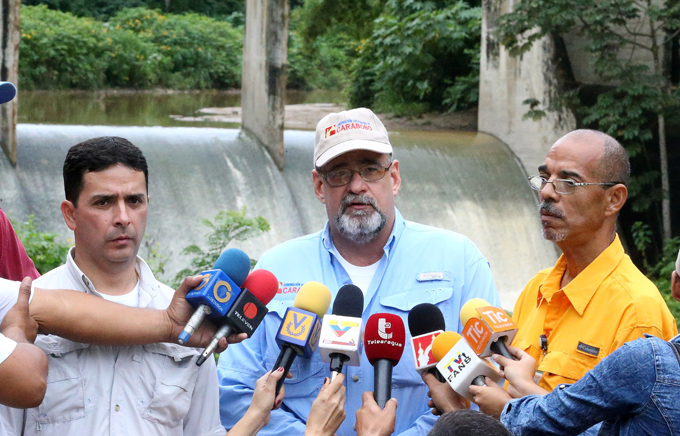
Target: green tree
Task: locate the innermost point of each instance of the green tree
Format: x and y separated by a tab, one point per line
639	96
44	248
227	226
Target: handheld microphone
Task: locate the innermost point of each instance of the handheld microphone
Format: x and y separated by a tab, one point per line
487	329
218	290
459	364
425	323
301	326
340	342
248	310
384	343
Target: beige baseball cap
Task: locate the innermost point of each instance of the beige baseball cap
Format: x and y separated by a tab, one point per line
355	129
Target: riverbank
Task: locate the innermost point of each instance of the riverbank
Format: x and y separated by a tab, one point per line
306	116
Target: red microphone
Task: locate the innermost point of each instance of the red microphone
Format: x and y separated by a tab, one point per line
247	311
384	344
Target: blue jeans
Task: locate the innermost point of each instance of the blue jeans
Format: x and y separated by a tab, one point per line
634	391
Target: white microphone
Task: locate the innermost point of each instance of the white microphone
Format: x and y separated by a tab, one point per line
340	340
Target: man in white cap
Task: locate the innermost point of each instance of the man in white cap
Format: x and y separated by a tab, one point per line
396	263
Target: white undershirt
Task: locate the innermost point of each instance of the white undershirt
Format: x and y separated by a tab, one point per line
361	276
130	299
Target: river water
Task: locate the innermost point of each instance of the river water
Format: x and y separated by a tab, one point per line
462	181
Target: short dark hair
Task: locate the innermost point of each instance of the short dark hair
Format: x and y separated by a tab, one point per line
467	423
99	154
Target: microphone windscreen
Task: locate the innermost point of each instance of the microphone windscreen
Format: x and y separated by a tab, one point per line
262	284
313	297
384	337
235	264
349	302
425	318
469	309
443	343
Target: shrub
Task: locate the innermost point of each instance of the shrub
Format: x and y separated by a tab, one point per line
44	249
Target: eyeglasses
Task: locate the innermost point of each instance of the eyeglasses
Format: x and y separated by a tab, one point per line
342	176
561	186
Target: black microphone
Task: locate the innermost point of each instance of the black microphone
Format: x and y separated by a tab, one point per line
340	342
425	323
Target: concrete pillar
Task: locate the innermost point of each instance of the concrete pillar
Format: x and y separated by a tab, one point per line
263	84
505	82
9	72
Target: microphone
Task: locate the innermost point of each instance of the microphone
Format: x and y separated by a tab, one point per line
340	341
218	290
301	326
425	323
487	329
459	365
248	310
384	343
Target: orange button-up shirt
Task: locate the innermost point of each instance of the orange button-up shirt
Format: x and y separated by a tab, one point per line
609	303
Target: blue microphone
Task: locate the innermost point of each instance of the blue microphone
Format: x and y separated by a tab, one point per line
218	291
7	92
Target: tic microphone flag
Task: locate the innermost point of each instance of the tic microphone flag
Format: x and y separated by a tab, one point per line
248	310
459	365
487	329
301	326
384	344
218	290
425	323
340	342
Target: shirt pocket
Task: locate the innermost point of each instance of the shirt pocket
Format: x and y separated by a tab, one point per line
165	399
404	373
65	395
560	367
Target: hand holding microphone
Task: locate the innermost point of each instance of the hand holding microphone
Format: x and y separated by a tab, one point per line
301	326
340	343
487	329
218	290
384	344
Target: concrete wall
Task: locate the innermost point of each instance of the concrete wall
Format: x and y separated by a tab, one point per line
9	72
506	82
265	50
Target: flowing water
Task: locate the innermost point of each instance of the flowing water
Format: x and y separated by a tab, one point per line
466	182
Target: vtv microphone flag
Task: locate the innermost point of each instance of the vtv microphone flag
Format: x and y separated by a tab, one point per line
218	290
340	343
384	344
301	327
459	365
487	329
248	310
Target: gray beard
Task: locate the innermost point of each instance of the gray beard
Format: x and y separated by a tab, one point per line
362	226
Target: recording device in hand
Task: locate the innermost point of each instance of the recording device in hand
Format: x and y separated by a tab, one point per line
301	326
487	329
340	342
248	310
459	365
425	323
218	290
384	344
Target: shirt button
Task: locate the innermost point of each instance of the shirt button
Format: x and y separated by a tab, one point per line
355	378
117	408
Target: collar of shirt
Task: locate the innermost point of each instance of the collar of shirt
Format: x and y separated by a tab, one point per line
582	288
147	282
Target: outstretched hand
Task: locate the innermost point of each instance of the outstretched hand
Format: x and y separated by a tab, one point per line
443	398
328	409
374	421
491	398
519	373
179	312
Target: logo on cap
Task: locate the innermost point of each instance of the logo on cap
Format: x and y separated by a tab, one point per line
330	131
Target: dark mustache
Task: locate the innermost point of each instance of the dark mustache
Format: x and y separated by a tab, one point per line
551	209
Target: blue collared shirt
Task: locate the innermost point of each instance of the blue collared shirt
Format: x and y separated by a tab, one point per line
634	391
420	264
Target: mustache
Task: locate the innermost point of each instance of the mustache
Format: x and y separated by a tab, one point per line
357	198
550	208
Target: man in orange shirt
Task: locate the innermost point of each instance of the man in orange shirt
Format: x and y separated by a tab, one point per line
594	299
